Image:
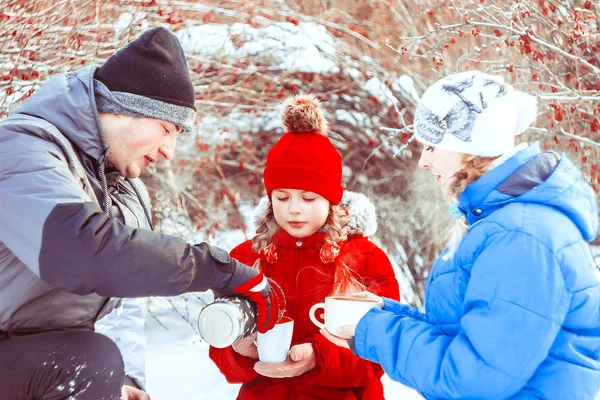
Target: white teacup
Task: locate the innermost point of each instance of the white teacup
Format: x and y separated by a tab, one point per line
274	345
342	311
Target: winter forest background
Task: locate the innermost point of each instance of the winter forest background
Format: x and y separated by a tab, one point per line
367	60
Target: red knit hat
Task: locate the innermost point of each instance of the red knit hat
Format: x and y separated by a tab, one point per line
304	158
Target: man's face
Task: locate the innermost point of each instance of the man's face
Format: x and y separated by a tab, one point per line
135	143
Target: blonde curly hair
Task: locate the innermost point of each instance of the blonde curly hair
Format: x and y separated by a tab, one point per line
472	168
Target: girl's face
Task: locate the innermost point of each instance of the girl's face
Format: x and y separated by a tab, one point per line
442	163
299	212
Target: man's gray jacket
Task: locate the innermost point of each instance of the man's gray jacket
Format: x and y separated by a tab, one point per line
63	259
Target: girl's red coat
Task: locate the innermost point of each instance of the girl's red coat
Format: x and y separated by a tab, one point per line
306	280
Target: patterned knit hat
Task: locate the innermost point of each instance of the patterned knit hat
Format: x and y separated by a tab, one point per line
304	158
473	113
148	78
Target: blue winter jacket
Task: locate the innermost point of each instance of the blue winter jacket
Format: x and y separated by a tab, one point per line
515	312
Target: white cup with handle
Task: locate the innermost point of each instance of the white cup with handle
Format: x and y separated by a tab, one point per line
273	346
342	311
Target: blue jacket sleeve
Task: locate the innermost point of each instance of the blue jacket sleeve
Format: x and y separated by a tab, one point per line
515	303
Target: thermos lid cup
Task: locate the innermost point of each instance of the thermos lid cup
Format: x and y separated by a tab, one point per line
219	325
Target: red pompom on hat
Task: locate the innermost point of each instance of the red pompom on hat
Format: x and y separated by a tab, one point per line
304	158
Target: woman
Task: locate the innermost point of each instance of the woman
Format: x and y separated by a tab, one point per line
513	304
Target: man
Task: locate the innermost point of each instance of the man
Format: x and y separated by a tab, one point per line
75	223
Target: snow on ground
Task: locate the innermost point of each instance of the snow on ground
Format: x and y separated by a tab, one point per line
177	363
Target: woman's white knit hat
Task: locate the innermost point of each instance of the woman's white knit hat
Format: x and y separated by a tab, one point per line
473	113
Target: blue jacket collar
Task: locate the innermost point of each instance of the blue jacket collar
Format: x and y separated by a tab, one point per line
470	202
531	176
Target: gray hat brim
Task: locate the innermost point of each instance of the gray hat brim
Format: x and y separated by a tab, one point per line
122	103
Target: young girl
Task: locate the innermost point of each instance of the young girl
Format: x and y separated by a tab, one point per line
513	305
311	239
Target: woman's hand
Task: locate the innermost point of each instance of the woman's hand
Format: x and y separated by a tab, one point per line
346	331
341	337
301	359
246	347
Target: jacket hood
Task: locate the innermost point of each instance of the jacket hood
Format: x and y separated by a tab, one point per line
67	102
363	218
532	176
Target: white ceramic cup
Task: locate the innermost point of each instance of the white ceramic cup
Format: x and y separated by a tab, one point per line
342	311
274	345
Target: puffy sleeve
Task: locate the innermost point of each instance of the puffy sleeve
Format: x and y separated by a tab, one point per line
514	306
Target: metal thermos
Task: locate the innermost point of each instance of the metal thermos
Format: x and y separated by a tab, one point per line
227	320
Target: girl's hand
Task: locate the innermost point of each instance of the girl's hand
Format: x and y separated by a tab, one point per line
246	347
301	359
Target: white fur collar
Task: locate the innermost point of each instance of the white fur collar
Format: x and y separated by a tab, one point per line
363	218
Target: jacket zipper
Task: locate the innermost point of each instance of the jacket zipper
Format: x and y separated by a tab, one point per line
292	392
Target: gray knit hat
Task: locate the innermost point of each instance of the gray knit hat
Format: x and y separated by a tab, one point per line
148	78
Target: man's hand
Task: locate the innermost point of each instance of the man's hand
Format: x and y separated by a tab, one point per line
131	393
264	292
246	347
301	359
249	282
